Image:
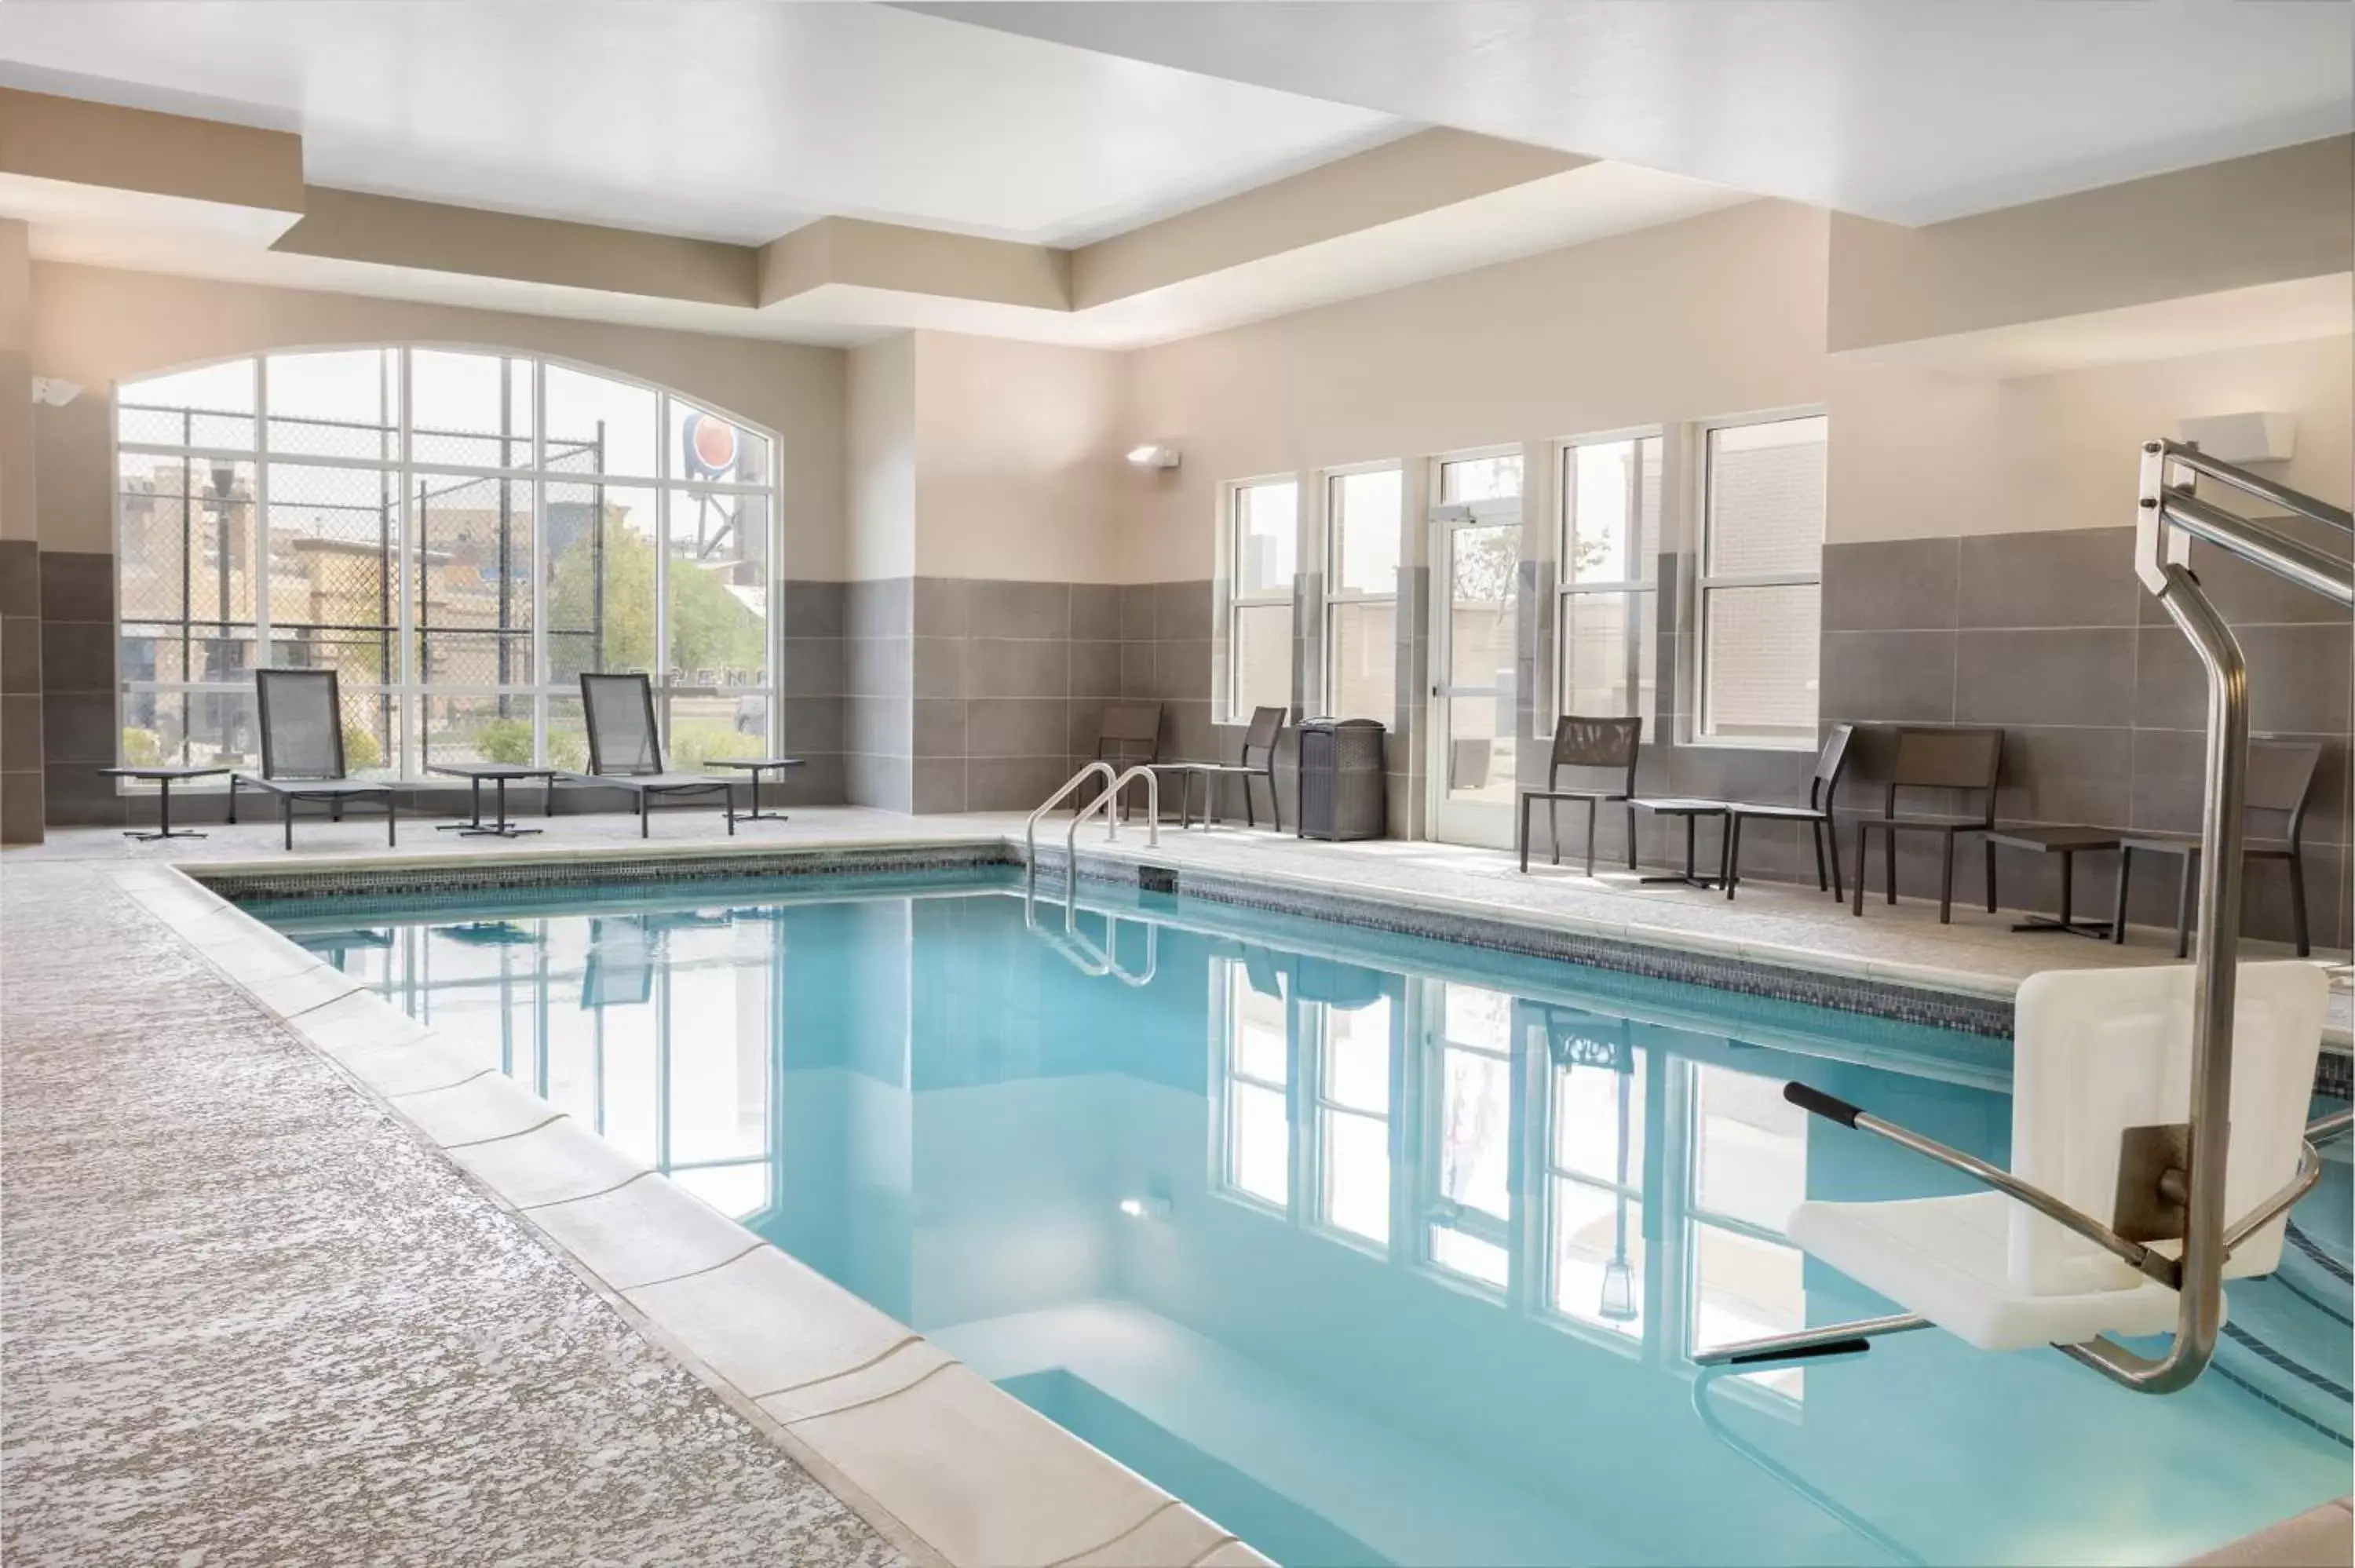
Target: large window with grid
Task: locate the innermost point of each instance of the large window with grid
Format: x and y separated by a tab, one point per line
458	533
1761	580
1609	630
1262	545
1364	513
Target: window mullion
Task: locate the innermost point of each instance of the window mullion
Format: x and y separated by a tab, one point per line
411	584
542	677
260	574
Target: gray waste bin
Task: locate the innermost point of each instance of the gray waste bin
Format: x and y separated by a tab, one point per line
1341	780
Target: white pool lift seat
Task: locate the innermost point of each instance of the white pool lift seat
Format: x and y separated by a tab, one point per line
2097	1053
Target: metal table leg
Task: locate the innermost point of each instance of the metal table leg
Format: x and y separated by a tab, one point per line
163	829
2098	929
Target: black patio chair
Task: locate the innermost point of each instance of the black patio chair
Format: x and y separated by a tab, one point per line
2280	783
1964	760
1262	736
302	720
1831	763
625	747
1603	748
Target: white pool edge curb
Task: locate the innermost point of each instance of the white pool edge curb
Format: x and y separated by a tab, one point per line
1046	1496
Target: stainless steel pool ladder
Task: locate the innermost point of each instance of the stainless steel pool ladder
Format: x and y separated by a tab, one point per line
2171	514
1115	785
1083	953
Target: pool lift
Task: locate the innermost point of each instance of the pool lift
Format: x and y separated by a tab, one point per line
1080	949
2105	1061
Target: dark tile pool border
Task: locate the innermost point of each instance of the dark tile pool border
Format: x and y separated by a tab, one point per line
1845	993
495	873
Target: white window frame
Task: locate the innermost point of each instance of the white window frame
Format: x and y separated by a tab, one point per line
1335	595
401	685
1565	458
1231	535
1705	582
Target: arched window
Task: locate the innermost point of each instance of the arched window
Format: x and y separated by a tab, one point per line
458	533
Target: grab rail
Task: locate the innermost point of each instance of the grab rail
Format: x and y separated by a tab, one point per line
1030	828
1109	804
2170	516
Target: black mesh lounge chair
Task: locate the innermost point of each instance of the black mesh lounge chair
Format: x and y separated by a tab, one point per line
1959	760
1831	763
2280	783
1265	731
1604	751
626	750
302	718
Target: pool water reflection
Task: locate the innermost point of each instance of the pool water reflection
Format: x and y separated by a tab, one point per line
1374	1250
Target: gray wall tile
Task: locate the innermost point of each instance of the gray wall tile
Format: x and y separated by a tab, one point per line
1181	610
1096	668
2070	577
815	667
1004	667
21	654
881	726
1899	677
816	609
877	667
1096	612
20	577
940	666
78	726
2045	676
1010	608
22	812
2075	776
937	784
1896	585
1136	604
1012	783
77	585
20	731
879	608
937	727
1018	726
1181	671
815	725
876	781
940	607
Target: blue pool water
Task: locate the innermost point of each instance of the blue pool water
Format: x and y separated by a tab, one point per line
1375	1250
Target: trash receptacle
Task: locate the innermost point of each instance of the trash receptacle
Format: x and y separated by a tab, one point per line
1341	780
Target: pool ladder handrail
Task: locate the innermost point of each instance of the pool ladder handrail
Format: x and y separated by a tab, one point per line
1030	828
2170	516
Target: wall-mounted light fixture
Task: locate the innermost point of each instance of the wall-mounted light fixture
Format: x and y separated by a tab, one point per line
1153	455
55	394
1153	1205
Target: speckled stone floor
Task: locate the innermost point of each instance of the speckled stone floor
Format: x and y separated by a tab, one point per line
246	1318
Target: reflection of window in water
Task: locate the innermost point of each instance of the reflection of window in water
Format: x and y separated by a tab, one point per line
1353	1132
1595	1166
1749	1170
1258	1127
1469	1232
654	1029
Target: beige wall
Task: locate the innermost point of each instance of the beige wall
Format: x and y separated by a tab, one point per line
880	429
1919	455
2286	214
96	326
17	518
1718	314
1018	469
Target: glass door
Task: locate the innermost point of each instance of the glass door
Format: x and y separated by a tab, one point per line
1475	556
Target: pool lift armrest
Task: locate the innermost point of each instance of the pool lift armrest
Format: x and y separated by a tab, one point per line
2166	1188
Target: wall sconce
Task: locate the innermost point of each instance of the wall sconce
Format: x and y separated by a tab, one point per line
1153	456
1151	1206
54	393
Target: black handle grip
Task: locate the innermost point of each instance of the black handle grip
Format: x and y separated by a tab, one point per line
1829	1107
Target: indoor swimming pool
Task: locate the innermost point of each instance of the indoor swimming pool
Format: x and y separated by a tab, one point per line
1371	1248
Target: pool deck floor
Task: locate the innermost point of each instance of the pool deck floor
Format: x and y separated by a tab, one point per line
254	1314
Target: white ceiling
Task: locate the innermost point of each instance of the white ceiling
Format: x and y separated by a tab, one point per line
1908	112
733	120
